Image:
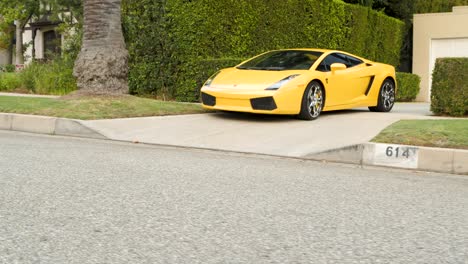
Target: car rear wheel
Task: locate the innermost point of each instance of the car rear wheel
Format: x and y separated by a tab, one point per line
312	101
386	98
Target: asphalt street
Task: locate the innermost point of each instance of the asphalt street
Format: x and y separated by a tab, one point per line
68	200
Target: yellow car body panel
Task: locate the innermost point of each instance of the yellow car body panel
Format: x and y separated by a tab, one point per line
356	86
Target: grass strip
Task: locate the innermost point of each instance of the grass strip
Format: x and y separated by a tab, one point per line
90	108
451	133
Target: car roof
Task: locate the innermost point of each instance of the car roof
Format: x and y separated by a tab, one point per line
310	49
327	51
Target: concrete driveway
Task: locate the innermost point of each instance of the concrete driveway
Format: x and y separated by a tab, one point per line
273	135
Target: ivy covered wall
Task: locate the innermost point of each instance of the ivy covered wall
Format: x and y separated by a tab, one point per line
175	45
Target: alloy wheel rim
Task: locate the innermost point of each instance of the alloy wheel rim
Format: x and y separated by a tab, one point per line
315	100
388	95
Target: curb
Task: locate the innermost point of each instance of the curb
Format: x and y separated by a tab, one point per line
28	95
453	161
47	125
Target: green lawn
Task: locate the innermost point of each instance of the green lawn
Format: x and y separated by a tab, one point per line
89	108
432	133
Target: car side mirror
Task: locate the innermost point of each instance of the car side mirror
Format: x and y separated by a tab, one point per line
337	67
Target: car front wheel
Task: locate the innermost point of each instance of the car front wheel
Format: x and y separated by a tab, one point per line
312	101
386	98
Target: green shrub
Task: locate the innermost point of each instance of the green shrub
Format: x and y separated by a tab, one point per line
7	68
28	76
408	86
170	42
9	81
55	77
449	95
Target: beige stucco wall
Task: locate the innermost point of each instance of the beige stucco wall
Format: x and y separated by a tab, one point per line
27	39
429	27
3	57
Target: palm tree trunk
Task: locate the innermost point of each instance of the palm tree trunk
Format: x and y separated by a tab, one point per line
102	65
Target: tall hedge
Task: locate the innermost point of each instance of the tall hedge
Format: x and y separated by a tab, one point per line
150	47
175	45
408	86
449	95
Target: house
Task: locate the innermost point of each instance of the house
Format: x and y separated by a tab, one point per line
41	38
435	36
4	54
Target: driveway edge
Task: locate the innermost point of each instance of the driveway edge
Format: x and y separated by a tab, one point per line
453	161
47	125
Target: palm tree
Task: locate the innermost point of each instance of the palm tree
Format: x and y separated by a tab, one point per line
102	65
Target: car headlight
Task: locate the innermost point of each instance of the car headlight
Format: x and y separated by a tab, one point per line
211	79
284	81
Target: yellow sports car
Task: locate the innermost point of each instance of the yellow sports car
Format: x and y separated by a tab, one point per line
302	82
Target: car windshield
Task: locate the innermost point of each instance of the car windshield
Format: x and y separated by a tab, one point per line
282	60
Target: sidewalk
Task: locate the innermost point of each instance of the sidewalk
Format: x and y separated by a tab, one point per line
258	134
28	95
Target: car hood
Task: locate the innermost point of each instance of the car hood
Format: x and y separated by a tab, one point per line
233	78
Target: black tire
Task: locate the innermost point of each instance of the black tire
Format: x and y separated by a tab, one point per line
386	99
313	101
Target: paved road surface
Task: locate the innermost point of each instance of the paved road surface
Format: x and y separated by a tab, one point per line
65	200
274	135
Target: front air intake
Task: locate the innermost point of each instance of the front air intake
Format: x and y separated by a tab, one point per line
263	103
208	99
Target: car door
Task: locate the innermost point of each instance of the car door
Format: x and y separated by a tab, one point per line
346	86
361	77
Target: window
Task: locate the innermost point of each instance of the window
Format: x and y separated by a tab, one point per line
353	61
347	60
282	60
52	44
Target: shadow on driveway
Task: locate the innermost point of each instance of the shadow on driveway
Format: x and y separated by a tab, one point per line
250	117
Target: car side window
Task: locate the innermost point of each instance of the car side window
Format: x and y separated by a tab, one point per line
349	61
353	61
340	58
324	66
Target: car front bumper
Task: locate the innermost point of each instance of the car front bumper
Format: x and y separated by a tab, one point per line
262	102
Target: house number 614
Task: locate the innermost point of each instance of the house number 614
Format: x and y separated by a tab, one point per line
397	152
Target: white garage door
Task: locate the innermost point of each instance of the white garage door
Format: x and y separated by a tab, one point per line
443	48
